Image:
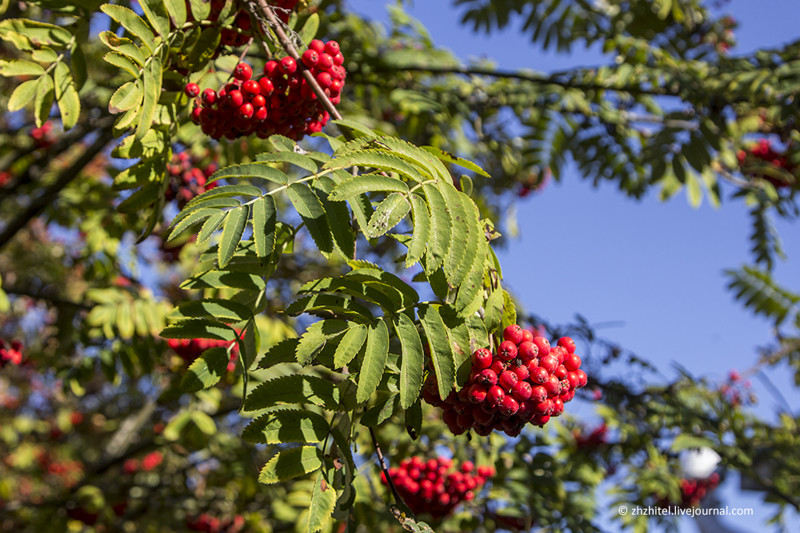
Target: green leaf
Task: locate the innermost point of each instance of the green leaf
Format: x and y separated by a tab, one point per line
77	61
441	225
231	234
152	91
132	22
287	425
124	47
326	305
251	170
401	293
281	352
206	370
201	9
376	159
44	99
223	310
20	67
460	236
310	28
685	440
367	183
215	279
353	287
355	127
29	35
421	232
69	103
127	96
509	312
311	210
299	160
387	215
177	11
211	225
198	329
264	218
412	362
289	464
323	502
156	13
22	95
123	62
380	412
350	345
450	158
316	336
441	349
374	364
293	389
196	216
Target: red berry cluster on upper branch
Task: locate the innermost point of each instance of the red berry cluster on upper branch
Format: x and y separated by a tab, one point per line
592	439
434	487
281	101
526	380
212	524
10	353
187	179
43	136
764	153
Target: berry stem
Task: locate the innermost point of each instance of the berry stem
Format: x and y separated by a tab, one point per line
384	468
276	26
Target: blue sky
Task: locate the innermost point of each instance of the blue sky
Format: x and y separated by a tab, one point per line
655	269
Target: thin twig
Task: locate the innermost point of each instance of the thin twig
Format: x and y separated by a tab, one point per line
382	461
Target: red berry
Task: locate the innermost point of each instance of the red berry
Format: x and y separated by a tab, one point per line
338	59
572	362
191	90
507	350
245	111
266	86
251	88
549	363
522	390
242	71
325	61
507	380
324	79
498	365
258	101
477	393
527	335
332	48
486	377
209	97
317	45
235	98
310	58
552	386
495	396
270	67
543	345
508	406
260	113
482	358
582	379
527	351
513	333
539	374
196	114
521	372
558	407
567	343
287	65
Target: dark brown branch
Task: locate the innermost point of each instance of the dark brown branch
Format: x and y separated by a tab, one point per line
39	204
384	468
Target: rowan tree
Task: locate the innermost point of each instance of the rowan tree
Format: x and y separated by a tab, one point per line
248	278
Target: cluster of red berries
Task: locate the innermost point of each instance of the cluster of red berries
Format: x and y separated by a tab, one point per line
430	486
526	380
764	152
737	391
43	136
10	353
692	491
212	524
281	101
592	439
5	178
68	473
149	462
186	179
191	349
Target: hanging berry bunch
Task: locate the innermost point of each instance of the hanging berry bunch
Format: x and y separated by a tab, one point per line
436	486
10	353
191	349
763	154
187	179
692	492
281	101
525	380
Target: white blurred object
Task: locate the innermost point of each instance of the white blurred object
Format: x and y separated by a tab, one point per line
699	463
